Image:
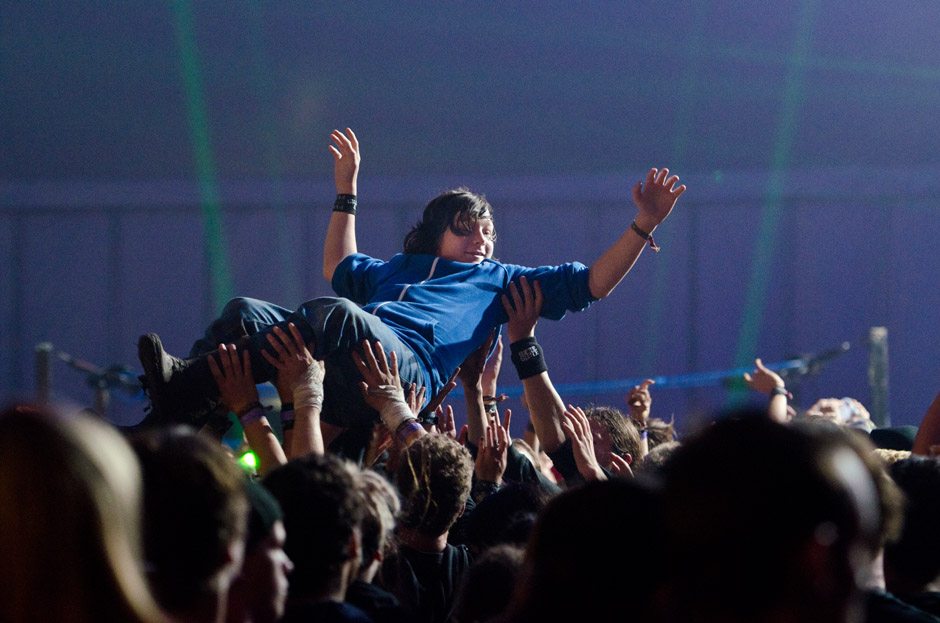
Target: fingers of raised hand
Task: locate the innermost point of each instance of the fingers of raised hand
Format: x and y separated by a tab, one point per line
518	302
229	356
366	372
352	139
619	465
568	426
510	310
216	371
341	141
246	365
279	342
539	297
369	357
449	422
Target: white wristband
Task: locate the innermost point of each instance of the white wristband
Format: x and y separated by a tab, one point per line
308	389
395	411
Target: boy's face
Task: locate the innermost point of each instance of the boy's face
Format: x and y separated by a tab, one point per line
473	247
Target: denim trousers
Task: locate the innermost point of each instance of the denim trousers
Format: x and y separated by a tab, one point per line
337	327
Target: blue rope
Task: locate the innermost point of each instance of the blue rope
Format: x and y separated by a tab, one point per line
695	379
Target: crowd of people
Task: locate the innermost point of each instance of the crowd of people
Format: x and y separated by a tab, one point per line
368	503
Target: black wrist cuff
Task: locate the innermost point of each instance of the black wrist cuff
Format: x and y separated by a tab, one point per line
345	203
528	358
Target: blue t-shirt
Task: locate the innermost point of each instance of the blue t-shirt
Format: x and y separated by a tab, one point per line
445	310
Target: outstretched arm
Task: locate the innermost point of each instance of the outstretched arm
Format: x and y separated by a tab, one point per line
546	409
341	233
382	390
471	373
654	199
239	394
766	381
303	375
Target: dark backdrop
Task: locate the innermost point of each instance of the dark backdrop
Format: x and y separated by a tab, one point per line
159	157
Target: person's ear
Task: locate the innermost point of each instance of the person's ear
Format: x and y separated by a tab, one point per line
628	458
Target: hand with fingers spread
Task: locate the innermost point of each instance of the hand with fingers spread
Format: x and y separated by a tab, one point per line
655	198
446	424
639	401
415	398
763	379
578	430
232	374
381	389
240	395
296	367
346	160
493	451
523	308
380	375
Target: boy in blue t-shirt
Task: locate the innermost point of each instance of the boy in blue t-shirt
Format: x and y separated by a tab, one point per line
432	305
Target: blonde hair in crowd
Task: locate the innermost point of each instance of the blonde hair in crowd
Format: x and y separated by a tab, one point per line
70	522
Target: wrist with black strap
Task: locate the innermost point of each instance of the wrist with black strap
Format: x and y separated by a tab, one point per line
345	203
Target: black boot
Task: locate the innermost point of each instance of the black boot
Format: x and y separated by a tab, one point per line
182	391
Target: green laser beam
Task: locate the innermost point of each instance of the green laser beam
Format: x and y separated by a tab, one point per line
197	111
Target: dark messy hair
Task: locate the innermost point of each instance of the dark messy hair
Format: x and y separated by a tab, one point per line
456	209
434	480
624	438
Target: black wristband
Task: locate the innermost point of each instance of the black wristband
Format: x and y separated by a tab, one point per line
642	233
345	203
528	358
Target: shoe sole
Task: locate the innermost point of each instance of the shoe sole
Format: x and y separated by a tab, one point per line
150	352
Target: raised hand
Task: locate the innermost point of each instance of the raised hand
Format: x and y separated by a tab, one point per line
446	424
763	379
380	375
578	430
237	387
655	198
294	363
471	370
523	310
493	451
346	161
491	369
639	401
